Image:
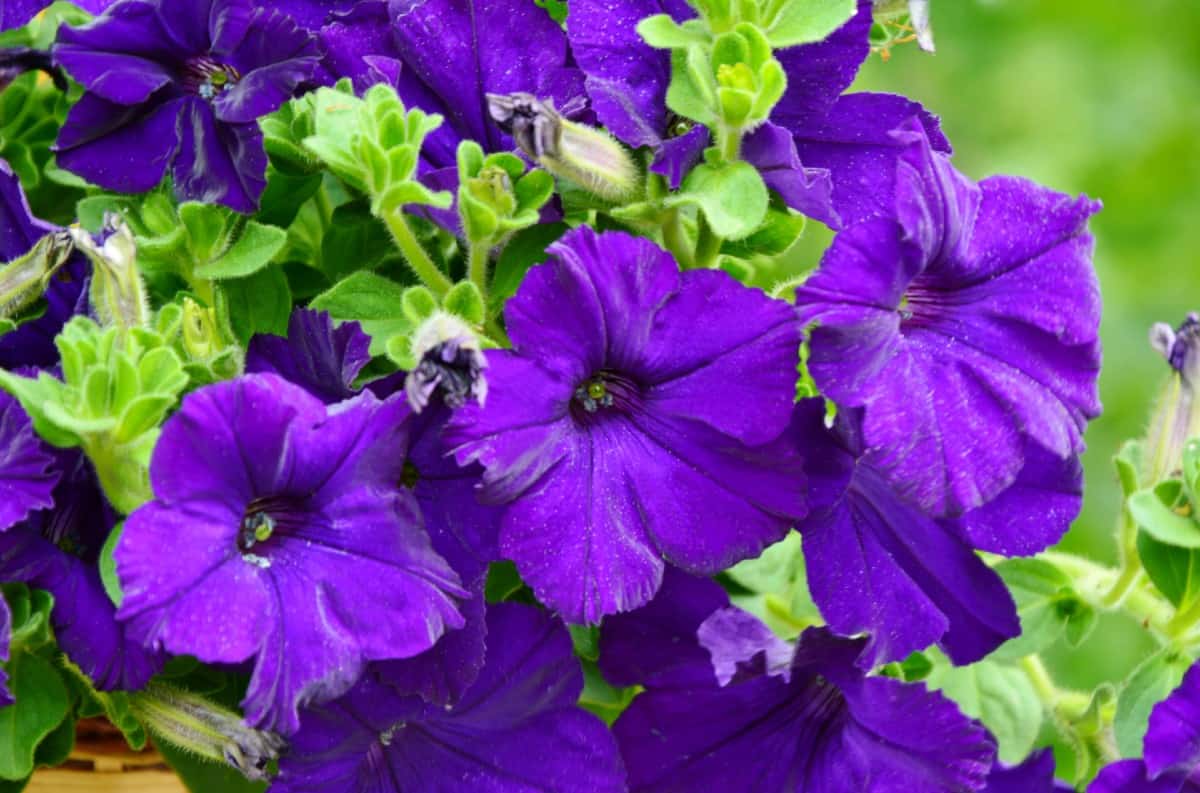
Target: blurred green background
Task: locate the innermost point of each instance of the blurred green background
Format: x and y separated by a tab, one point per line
1100	97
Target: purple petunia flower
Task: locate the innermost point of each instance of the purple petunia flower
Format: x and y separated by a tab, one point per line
1172	748
517	730
181	84
316	355
16	13
58	549
966	327
32	342
1035	775
878	564
805	720
27	475
464	532
637	419
294	543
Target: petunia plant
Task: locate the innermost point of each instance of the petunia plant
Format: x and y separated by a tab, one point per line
431	395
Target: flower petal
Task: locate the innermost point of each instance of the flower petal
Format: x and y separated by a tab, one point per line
121	148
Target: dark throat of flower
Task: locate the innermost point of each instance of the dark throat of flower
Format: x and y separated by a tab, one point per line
206	78
604	394
263	522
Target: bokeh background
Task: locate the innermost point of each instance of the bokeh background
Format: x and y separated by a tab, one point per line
1100	97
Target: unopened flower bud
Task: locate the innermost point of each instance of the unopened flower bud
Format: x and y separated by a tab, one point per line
24	279
450	361
590	157
191	722
118	295
1176	417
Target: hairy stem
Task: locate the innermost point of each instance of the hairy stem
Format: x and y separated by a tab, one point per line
422	265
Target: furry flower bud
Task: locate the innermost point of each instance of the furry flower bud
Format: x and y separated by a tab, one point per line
450	360
1176	418
24	279
581	154
118	294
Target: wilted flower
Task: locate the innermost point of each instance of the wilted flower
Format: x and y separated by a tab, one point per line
180	85
636	419
450	363
516	730
269	491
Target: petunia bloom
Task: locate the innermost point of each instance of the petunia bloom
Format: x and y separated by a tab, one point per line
637	418
517	729
1172	748
293	544
27	475
762	722
966	327
878	564
180	85
324	360
32	342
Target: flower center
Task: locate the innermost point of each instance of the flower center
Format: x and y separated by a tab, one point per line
206	77
603	392
266	519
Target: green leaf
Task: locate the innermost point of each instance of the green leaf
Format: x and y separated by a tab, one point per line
1149	684
732	196
206	226
251	252
355	240
808	21
503	582
362	295
664	33
1174	571
113	705
108	566
56	747
1129	463
42	702
783	227
286	192
1159	519
525	249
692	92
778	582
1047	605
261	303
465	300
557	9
586	639
1000	696
601	698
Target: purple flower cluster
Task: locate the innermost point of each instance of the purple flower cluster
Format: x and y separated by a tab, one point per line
640	436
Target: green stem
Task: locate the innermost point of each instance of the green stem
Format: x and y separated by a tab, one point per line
420	262
1093	582
675	239
708	244
478	259
730	142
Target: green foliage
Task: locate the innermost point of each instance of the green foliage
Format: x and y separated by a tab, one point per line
1048	606
731	195
117	387
42	700
775	587
373	301
496	196
601	698
999	695
112	705
260	303
202	775
807	21
371	143
1149	684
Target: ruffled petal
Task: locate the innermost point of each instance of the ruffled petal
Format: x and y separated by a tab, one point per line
27	476
121	148
316	355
